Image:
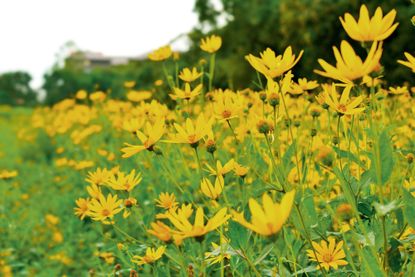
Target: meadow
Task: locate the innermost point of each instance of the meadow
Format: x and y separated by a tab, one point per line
293	178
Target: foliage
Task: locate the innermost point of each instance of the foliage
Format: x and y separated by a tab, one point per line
15	89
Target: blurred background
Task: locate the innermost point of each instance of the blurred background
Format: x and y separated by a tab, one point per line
51	49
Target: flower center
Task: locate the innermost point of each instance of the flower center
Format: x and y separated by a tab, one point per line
342	108
198	231
226	114
327	258
191	138
105	212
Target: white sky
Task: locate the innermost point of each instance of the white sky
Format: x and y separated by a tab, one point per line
33	31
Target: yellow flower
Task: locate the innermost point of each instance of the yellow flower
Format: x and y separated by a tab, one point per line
51	219
212	191
154	133
104	208
188	75
158	83
306	84
121	181
138	96
108	257
240	170
220	169
211	44
272	66
192	133
57	237
94	191
344	105
371	82
82	209
302	86
187	93
185	229
151	256
160	230
81	94
267	219
5	174
161	54
219	253
410	63
349	66
184	211
99	176
129	84
369	29
398	90
227	105
98	96
328	255
133	124
166	201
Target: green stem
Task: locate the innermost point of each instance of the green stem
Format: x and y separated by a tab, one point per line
292	137
273	162
385	246
211	70
233	132
169	79
251	265
198	162
308	237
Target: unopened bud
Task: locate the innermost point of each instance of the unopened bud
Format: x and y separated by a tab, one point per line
211	146
410	158
264	127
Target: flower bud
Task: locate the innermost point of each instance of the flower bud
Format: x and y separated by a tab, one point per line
264	127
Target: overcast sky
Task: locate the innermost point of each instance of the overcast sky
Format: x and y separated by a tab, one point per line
33	31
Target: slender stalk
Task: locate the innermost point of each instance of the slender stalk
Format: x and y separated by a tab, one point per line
199	164
169	79
211	70
251	265
385	246
233	132
292	138
273	161
308	237
261	86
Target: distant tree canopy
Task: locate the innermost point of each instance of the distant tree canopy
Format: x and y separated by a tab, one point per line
15	89
312	25
65	81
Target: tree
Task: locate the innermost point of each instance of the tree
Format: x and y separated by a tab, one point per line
15	89
312	25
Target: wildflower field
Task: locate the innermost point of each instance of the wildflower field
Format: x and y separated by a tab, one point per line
291	178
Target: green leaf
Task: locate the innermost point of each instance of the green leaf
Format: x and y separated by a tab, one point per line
409	208
264	254
382	159
238	235
349	155
395	260
383	210
308	209
370	265
286	162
